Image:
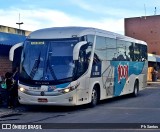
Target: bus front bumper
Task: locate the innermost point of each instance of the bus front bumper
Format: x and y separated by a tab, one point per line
68	99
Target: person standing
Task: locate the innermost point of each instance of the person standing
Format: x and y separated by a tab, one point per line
3	90
10	89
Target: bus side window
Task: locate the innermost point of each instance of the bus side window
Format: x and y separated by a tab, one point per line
84	58
81	61
96	59
136	52
121	50
140	52
124	50
143	52
111	49
131	51
100	49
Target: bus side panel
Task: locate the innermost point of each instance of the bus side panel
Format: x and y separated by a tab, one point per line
144	73
129	85
124	72
83	90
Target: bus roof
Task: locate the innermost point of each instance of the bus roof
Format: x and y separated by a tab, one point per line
69	32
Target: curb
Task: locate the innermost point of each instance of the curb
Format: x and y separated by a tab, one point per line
153	83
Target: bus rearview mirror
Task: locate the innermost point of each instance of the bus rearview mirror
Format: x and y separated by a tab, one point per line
13	48
77	49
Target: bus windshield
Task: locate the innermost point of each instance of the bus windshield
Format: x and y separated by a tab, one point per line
48	60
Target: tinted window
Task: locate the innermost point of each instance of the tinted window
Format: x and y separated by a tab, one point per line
125	50
121	50
144	51
100	49
111	49
106	48
140	52
131	51
90	38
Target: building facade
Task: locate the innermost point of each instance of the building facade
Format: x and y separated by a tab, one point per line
12	30
147	28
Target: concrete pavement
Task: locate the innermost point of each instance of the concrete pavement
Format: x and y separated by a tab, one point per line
5	111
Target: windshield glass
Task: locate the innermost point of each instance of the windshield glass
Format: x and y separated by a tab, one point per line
48	60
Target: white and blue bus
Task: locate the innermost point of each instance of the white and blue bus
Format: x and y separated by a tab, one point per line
78	65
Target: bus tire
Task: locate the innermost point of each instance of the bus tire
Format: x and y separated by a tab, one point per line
136	89
94	97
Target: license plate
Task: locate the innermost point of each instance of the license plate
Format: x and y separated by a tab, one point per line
42	100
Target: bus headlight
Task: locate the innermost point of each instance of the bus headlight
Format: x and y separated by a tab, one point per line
22	89
68	89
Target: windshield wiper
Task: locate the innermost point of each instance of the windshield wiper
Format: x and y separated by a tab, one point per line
35	66
51	70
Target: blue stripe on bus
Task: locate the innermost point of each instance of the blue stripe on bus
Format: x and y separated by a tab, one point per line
64	85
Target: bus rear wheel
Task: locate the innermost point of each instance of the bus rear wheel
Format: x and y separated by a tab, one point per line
94	97
136	89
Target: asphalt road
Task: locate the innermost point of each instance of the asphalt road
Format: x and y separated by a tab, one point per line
144	109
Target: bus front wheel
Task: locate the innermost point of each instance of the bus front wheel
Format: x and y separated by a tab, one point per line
94	97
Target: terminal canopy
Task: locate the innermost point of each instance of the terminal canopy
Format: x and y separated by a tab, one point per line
7	40
11	39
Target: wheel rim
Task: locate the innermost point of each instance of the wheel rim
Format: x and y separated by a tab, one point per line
94	96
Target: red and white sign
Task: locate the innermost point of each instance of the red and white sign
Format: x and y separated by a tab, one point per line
122	72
